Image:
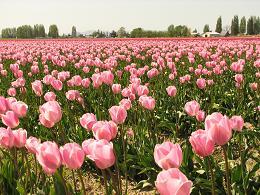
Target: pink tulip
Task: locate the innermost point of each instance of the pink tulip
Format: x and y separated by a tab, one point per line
104	130
253	86
202	143
50	113
239	78
172	182
10	119
147	102
171	91
192	108
31	144
37	87
99	151
219	128
19	108
237	123
49	96
200	116
118	114
126	103
116	88
3	105
20	137
85	82
11	92
57	85
88	120
6	138
72	155
107	77
168	155
49	157
201	83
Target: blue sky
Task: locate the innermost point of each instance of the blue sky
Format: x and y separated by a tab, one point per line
112	14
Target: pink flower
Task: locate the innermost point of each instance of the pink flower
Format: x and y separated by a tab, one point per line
253	86
50	96
50	113
200	116
6	138
116	88
10	119
3	105
99	151
11	91
126	103
49	157
31	144
19	108
72	155
172	182
118	114
219	128
201	83
37	87
239	78
147	102
88	120
202	143
20	137
237	123
85	82
107	77
104	130
72	95
142	90
57	85
192	108
171	91
168	155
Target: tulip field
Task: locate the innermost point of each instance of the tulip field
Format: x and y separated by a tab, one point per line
140	116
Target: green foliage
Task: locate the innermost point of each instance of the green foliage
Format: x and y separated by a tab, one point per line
206	28
24	32
9	33
53	31
243	25
219	25
74	31
235	25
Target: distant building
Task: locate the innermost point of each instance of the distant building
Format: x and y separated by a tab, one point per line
225	33
195	34
211	34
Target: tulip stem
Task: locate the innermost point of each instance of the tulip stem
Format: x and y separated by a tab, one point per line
82	181
212	176
240	138
63	181
124	151
105	180
28	168
74	180
227	169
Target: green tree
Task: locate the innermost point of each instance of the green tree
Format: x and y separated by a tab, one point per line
219	25
24	32
121	32
9	33
206	28
137	32
250	26
74	31
41	31
242	27
171	30
256	25
53	31
113	34
235	25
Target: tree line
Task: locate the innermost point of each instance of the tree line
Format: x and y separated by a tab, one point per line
237	27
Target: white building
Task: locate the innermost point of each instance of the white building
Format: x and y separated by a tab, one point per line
211	34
